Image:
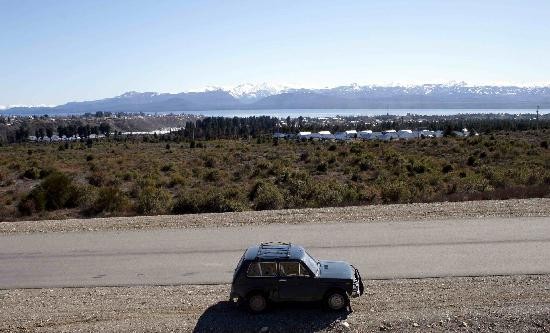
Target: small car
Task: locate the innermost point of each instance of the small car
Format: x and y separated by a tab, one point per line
279	272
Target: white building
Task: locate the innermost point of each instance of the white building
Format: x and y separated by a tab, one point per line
406	134
389	135
326	135
304	135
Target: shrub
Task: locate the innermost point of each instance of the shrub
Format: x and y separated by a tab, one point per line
97	179
328	194
364	164
167	167
266	196
46	172
209	202
32	173
395	192
110	199
447	168
322	167
186	204
209	162
212	175
56	191
153	201
356	149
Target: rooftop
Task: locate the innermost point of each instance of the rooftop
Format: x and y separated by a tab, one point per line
274	250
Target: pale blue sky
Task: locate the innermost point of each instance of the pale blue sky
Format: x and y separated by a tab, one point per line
54	51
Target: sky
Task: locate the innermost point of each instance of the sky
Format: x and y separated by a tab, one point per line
55	51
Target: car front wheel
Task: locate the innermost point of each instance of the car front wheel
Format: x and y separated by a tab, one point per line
257	303
336	300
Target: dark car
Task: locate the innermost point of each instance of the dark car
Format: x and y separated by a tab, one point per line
281	272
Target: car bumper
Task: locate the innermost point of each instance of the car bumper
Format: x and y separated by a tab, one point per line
358	287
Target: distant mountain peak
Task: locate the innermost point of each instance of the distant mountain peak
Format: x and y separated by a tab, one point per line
452	95
250	92
130	94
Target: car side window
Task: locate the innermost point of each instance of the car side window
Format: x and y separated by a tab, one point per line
262	269
293	269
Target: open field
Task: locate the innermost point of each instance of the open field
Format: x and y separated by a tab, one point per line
478	304
148	176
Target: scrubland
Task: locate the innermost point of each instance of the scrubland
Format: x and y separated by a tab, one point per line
128	176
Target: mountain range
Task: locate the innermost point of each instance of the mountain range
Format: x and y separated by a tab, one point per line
354	96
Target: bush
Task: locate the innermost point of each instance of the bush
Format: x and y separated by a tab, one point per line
322	167
97	179
395	192
447	168
212	175
364	164
167	167
32	173
153	201
186	204
328	194
266	196
110	199
209	202
56	191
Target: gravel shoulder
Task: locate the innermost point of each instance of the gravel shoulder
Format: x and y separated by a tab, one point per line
497	303
400	212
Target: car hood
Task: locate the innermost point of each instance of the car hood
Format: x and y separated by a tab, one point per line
335	270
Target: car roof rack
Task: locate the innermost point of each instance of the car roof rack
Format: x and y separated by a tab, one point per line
273	250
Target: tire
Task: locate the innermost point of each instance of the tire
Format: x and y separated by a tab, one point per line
257	303
336	300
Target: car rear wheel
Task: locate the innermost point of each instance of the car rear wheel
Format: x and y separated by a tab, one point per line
336	300
257	303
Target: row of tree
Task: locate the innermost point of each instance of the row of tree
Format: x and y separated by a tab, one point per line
224	128
228	128
42	130
247	127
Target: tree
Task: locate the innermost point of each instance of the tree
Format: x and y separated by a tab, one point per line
105	129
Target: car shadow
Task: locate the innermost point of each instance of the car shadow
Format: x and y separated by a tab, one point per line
287	317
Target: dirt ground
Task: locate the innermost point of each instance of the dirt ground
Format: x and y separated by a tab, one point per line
467	304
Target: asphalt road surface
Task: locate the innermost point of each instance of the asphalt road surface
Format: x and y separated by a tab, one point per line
405	249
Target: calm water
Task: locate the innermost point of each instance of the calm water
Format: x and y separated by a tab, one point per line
294	113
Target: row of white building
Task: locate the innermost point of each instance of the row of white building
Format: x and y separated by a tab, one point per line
369	135
57	138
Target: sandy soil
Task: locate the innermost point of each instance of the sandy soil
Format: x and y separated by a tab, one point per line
480	304
402	212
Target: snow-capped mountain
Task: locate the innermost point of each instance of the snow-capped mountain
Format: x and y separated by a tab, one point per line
353	96
250	93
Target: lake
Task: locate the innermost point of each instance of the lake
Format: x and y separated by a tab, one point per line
318	113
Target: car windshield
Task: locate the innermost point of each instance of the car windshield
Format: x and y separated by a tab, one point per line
311	263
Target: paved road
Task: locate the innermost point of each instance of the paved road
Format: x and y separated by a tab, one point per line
406	249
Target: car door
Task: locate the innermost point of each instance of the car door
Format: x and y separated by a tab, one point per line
296	282
262	275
